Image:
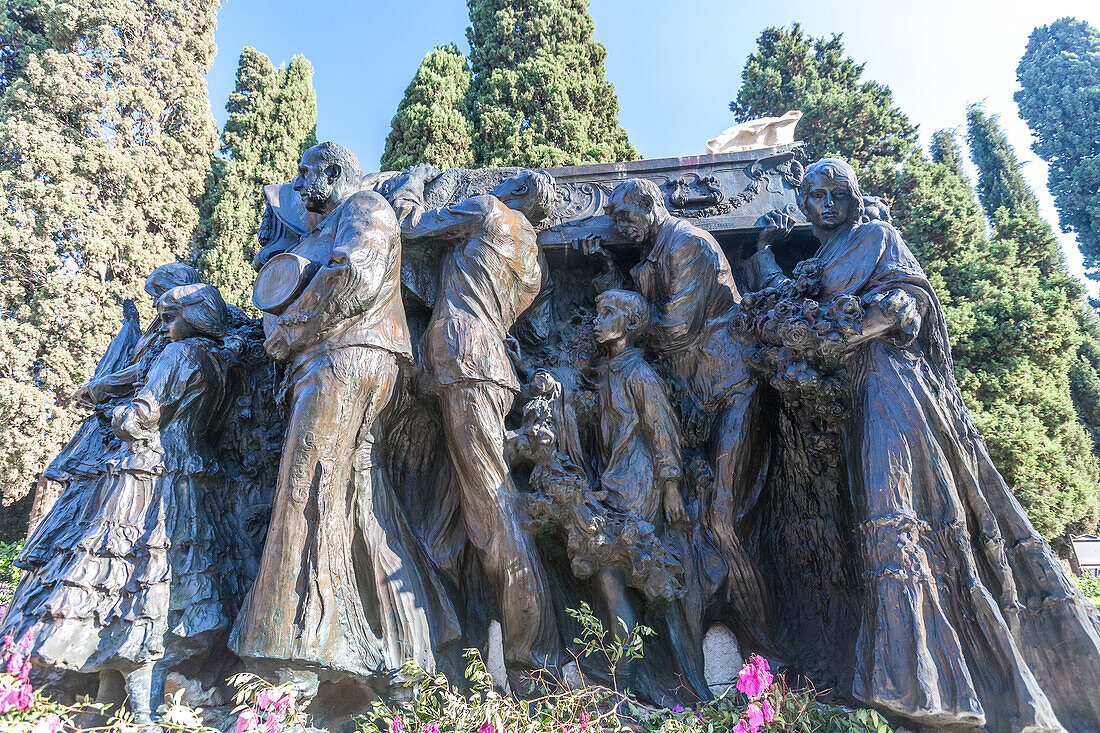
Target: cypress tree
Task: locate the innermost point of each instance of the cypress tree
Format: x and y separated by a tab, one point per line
432	123
539	93
272	114
1000	183
1059	98
105	138
842	114
1009	308
1052	329
946	151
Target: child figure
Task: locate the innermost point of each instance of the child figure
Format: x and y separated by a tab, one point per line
639	434
132	584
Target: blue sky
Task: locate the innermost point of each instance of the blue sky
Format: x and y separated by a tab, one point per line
675	65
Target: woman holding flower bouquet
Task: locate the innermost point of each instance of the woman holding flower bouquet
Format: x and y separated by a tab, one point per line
968	620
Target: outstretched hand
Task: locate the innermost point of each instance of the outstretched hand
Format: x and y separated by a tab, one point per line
777	226
87	396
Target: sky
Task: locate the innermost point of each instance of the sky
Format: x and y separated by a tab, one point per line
676	65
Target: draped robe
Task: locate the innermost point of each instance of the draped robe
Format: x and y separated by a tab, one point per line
969	619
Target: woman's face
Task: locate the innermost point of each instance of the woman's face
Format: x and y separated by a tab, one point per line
175	327
828	203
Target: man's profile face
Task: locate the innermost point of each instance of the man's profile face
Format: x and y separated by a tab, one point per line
316	179
633	220
828	203
516	193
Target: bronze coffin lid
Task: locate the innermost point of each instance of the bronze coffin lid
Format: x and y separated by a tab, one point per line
724	194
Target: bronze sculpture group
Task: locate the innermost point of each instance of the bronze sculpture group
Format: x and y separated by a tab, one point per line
479	428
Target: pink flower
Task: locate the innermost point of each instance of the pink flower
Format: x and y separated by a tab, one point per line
246	721
14	665
9	641
49	724
26	642
273	699
742	727
7	699
754	677
24	697
398	724
755	718
768	710
488	727
431	728
583	719
272	724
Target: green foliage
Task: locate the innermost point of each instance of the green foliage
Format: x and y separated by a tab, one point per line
1059	98
539	94
265	707
1033	349
432	122
105	138
617	650
272	115
945	150
842	115
22	33
1089	585
1085	374
1000	183
9	574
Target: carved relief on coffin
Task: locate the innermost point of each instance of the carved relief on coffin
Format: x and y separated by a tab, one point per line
580	200
694	196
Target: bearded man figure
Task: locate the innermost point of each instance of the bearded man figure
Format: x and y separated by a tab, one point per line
491	275
343	588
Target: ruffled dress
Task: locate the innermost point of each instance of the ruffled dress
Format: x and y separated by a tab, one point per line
969	621
133	570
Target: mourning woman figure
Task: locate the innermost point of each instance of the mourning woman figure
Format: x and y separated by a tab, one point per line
131	586
968	619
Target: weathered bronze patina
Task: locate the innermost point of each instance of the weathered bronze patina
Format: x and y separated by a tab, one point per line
695	391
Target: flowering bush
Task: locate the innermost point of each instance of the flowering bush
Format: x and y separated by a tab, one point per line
265	708
760	702
23	709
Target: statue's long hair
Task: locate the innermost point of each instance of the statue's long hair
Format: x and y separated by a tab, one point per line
201	305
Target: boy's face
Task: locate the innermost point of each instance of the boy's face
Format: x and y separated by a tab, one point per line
611	323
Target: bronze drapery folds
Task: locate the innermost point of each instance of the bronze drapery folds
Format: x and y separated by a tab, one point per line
493	394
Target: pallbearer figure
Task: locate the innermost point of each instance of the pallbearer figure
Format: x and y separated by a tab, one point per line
491	275
686	279
343	588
